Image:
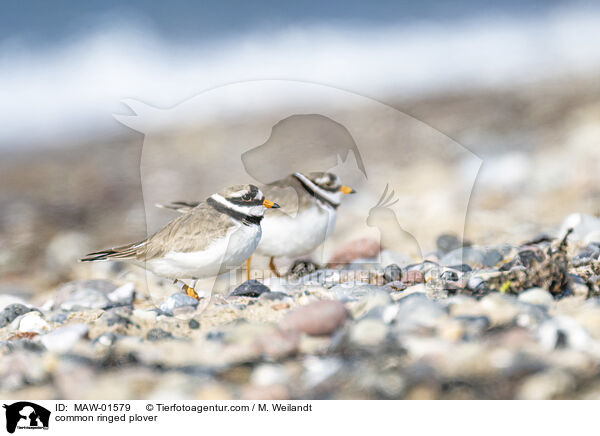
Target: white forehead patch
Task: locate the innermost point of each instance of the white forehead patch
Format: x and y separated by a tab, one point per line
239	193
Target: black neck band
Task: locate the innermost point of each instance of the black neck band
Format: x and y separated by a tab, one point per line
239	216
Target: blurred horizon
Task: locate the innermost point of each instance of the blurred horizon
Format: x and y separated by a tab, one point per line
66	71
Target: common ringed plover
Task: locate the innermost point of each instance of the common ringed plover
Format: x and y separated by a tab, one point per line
210	237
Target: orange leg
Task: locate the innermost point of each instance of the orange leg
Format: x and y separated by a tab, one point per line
273	268
186	289
248	268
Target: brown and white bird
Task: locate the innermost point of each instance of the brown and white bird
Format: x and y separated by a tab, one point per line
306	217
208	239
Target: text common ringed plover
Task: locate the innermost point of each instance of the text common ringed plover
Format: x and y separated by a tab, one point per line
219	233
305	218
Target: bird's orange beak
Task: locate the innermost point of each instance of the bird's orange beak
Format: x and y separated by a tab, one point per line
347	190
269	204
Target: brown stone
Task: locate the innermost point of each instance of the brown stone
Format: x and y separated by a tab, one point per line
317	319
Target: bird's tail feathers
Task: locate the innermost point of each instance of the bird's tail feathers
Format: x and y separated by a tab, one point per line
128	251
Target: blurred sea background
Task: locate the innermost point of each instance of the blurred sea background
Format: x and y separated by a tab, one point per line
515	83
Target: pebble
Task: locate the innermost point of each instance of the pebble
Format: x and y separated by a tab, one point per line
416	310
447	242
106	339
11	312
193	324
63	339
564	332
500	309
546	385
369	301
250	288
176	301
353	291
317	319
537	296
268	374
358	249
33	322
58	318
158	335
123	295
392	273
84	295
368	332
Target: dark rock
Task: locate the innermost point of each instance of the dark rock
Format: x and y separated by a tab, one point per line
392	273
158	335
11	312
250	288
193	324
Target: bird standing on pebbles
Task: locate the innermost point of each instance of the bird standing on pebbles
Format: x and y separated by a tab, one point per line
211	237
305	219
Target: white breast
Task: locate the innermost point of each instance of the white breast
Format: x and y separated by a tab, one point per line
296	236
225	253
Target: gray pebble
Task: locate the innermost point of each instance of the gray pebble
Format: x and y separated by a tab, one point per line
392	273
11	312
352	291
58	318
63	339
175	301
84	295
158	335
123	295
447	242
416	310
